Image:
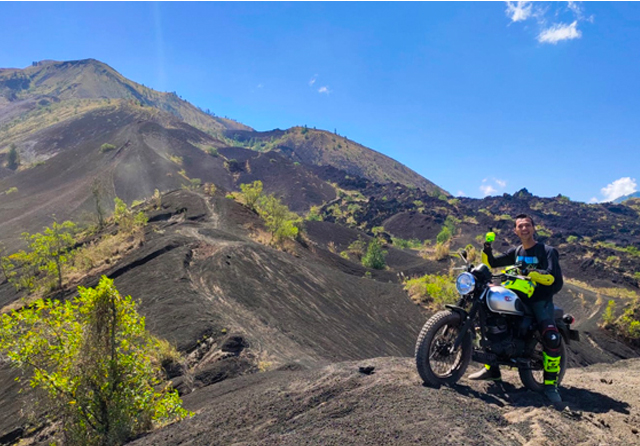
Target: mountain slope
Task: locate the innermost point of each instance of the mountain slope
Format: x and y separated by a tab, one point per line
321	148
627	197
148	149
91	79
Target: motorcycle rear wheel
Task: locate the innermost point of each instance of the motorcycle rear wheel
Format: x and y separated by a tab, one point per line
437	364
532	377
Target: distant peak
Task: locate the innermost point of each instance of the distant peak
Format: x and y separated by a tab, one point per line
523	193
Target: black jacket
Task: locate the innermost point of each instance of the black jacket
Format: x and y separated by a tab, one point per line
540	257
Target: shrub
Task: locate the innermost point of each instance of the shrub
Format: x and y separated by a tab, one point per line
93	359
451	222
374	258
434	289
282	223
608	317
613	260
251	193
628	324
11	190
314	214
210	189
572	239
13	158
176	159
126	220
633	250
442	251
542	232
157	199
413	243
213	151
377	230
358	248
444	235
107	147
195	183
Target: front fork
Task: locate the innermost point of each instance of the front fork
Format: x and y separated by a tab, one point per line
468	319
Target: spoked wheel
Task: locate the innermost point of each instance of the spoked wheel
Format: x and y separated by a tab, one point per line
437	362
533	377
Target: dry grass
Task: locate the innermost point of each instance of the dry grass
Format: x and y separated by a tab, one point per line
102	254
621	293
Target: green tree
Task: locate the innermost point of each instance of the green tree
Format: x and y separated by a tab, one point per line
251	194
94	360
13	158
444	235
281	222
374	258
50	251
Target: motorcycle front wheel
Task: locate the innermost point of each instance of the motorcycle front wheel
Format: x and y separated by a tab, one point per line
437	362
533	376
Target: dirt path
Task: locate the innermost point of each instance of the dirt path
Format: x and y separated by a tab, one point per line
338	405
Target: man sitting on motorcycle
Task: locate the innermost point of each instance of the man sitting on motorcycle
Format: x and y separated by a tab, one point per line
541	263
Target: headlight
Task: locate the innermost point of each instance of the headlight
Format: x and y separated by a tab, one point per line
465	283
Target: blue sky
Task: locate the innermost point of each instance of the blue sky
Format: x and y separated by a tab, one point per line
480	98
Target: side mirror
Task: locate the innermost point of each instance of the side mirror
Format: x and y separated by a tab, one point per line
463	255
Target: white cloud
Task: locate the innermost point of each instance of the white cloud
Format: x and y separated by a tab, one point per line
519	11
487	189
564	18
460	193
324	90
576	9
593	200
560	31
260	86
313	80
491	186
619	188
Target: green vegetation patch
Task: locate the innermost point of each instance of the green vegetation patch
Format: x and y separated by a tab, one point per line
95	363
432	289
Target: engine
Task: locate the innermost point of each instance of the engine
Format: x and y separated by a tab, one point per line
500	334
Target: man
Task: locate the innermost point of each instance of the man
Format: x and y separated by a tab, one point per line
542	263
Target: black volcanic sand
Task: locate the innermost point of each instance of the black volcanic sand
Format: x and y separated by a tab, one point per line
338	405
152	151
199	278
235	307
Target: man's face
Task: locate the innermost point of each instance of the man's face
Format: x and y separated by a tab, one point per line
524	229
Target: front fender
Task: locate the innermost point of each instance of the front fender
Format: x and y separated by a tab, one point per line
461	311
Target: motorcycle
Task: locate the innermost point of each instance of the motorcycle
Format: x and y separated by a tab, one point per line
490	324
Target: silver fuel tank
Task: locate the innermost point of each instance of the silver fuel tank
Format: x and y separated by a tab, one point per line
503	301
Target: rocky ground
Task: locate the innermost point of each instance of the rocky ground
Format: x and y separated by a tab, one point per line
339	405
